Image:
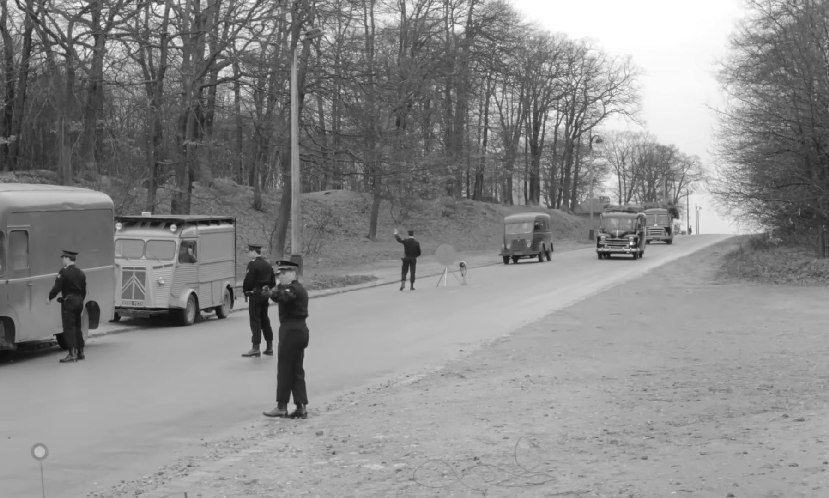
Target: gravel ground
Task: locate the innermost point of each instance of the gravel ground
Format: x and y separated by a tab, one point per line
682	384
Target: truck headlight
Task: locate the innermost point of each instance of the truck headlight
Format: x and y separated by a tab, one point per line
160	281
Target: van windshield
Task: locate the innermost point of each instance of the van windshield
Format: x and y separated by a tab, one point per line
513	228
661	219
614	223
129	248
161	249
164	250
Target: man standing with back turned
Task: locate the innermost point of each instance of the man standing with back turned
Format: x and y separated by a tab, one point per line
411	251
71	284
259	277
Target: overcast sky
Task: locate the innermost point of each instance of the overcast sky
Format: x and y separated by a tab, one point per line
676	44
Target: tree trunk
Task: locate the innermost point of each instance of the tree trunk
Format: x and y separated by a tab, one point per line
22	86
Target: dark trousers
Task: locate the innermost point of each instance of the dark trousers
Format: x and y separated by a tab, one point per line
260	322
70	315
290	374
407	264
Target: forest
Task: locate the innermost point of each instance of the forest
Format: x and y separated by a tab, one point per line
774	137
397	99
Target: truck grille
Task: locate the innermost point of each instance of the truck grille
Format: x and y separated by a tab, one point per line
133	286
518	245
656	231
617	243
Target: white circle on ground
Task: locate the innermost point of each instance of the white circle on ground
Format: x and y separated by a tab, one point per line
40	451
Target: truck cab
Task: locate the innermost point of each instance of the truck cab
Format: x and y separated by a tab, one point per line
660	226
621	231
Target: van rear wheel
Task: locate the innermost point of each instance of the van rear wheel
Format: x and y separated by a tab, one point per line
187	316
224	310
541	256
515	259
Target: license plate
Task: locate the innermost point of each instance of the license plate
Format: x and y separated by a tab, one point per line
131	302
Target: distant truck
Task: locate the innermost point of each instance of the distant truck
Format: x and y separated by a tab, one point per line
37	221
174	264
660	226
621	231
527	235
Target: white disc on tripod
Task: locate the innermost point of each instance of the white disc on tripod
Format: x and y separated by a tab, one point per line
446	255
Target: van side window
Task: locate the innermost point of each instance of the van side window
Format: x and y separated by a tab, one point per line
187	251
539	226
19	249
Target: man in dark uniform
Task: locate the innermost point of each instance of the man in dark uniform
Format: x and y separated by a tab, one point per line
71	284
411	251
293	339
259	277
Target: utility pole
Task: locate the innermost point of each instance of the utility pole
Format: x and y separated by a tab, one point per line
296	190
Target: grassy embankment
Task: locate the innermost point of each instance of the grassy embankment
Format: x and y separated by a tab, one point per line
761	260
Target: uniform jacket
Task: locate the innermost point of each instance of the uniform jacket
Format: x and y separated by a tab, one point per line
292	300
71	281
259	273
411	247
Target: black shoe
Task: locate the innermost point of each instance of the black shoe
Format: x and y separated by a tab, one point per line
281	411
253	353
402	285
300	412
268	350
410	288
81	356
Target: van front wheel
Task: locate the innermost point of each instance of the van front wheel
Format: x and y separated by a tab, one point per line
224	310
187	316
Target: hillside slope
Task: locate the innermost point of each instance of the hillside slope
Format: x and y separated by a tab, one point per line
336	222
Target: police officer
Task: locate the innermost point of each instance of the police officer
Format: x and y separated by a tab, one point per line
71	284
411	251
293	339
259	277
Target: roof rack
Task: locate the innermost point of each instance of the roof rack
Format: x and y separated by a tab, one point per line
622	208
180	220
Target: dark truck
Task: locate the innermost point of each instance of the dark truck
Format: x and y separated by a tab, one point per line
659	226
621	231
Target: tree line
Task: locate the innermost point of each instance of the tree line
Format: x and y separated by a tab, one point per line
400	99
774	137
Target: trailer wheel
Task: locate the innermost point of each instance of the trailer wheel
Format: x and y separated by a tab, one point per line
224	310
187	316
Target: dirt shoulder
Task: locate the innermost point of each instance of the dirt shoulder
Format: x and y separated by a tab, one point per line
677	384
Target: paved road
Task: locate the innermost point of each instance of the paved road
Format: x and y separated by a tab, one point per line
143	398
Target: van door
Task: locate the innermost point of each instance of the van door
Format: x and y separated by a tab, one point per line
188	259
20	285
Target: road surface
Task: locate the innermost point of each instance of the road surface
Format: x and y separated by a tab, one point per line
146	397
